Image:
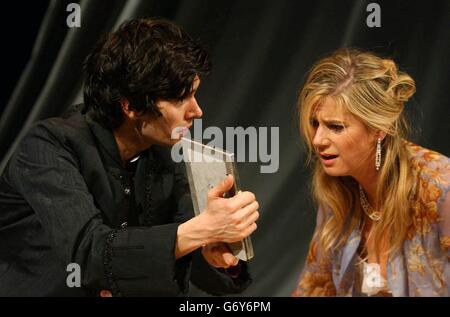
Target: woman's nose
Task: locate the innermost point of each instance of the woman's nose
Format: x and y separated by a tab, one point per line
320	138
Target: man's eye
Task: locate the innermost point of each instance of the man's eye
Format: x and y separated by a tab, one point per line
184	99
179	101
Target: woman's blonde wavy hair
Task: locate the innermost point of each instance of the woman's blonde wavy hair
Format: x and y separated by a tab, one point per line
374	90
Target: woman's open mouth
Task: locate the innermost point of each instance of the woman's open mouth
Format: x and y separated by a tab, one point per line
328	159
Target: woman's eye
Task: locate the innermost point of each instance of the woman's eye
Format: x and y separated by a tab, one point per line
314	123
336	127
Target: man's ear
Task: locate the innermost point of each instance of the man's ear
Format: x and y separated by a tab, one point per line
125	104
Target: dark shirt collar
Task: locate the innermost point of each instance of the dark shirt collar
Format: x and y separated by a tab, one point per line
108	145
105	138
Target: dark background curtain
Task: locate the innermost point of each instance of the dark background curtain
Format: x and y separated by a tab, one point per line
261	51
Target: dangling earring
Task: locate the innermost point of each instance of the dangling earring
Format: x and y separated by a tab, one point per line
378	155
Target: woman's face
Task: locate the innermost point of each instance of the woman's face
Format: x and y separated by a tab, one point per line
344	145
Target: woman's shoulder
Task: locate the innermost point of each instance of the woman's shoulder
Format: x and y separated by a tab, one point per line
431	167
420	153
428	162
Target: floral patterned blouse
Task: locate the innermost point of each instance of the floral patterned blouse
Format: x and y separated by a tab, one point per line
421	267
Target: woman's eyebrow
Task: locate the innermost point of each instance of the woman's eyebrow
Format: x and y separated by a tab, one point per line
333	121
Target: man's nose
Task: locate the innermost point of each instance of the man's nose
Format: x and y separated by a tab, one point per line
195	109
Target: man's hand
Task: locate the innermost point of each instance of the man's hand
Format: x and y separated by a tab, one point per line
229	219
223	220
219	255
105	293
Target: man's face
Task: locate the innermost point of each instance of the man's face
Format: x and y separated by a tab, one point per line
175	120
345	146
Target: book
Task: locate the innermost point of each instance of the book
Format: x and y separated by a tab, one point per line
206	166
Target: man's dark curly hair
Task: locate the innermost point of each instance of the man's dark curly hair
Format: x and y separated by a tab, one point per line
145	60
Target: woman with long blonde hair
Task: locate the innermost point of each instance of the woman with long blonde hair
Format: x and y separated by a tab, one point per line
383	221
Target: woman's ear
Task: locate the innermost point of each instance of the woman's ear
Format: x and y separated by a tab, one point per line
381	135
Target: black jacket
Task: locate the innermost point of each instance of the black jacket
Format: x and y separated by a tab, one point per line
65	197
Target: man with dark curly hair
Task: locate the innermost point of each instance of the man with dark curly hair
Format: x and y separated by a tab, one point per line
96	188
